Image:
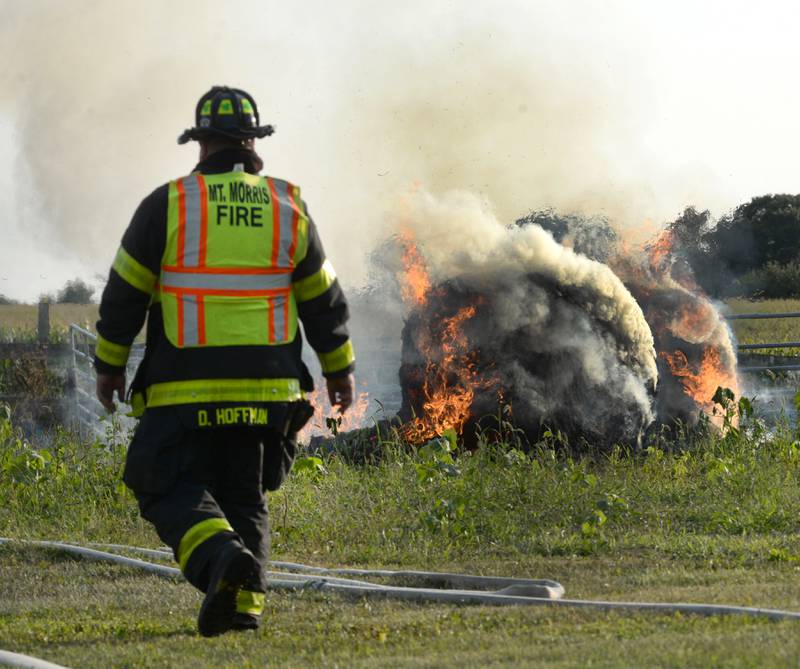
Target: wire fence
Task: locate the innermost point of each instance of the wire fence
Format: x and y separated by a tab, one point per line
781	367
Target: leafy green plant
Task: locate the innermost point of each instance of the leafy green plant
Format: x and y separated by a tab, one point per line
436	460
309	466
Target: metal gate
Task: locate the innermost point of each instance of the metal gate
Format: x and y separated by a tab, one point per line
767	345
90	416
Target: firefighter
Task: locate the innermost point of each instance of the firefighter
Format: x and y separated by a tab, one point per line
221	263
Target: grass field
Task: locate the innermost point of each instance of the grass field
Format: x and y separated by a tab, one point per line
715	520
18	322
719	522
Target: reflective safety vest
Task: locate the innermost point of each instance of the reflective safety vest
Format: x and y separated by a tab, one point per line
233	241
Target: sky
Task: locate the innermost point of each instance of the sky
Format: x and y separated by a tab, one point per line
633	110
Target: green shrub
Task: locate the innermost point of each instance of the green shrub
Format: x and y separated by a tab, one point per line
774	280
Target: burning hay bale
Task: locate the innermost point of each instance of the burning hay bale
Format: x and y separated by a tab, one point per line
507	315
696	354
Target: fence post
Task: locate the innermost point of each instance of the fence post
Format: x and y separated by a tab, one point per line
43	329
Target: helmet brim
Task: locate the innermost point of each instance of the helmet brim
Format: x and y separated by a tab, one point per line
196	134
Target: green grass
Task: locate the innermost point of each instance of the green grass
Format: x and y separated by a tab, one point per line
717	522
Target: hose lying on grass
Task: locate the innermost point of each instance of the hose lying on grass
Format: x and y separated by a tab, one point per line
506	592
25	661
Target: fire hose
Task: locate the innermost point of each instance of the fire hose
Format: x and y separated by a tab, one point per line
452	588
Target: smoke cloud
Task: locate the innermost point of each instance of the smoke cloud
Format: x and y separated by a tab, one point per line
539	105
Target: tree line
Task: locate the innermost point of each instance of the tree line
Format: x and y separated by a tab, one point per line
754	251
74	291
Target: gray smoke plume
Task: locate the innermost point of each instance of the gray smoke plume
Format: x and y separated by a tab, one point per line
556	333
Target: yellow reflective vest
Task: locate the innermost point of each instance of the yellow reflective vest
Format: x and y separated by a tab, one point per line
239	261
233	241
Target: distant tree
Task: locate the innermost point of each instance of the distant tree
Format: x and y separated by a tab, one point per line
774	281
75	291
766	229
689	229
752	251
7	300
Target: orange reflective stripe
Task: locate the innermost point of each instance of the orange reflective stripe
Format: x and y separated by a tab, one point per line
191	319
203	241
271	320
289	259
193	225
201	320
226	270
286	318
276	222
180	320
225	292
285	221
181	221
295	221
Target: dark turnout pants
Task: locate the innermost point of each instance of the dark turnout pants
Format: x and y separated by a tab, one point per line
202	487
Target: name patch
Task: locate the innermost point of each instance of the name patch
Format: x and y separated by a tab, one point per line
232	416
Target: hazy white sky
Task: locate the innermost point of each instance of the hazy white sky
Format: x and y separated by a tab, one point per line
632	109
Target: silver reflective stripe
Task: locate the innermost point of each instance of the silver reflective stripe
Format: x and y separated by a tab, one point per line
287	211
277	305
212	281
216	281
191	248
191	335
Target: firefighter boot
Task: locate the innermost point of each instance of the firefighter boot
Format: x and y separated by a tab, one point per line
232	567
249	604
245	621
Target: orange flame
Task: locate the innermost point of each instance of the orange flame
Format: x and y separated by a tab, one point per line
660	251
416	282
449	385
700	381
694	323
450	369
324	412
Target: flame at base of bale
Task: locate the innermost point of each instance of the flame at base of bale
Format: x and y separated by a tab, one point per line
556	368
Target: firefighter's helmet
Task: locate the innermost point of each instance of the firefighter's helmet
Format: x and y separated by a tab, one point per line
226	112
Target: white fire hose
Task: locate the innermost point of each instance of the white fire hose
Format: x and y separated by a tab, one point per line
498	591
25	661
